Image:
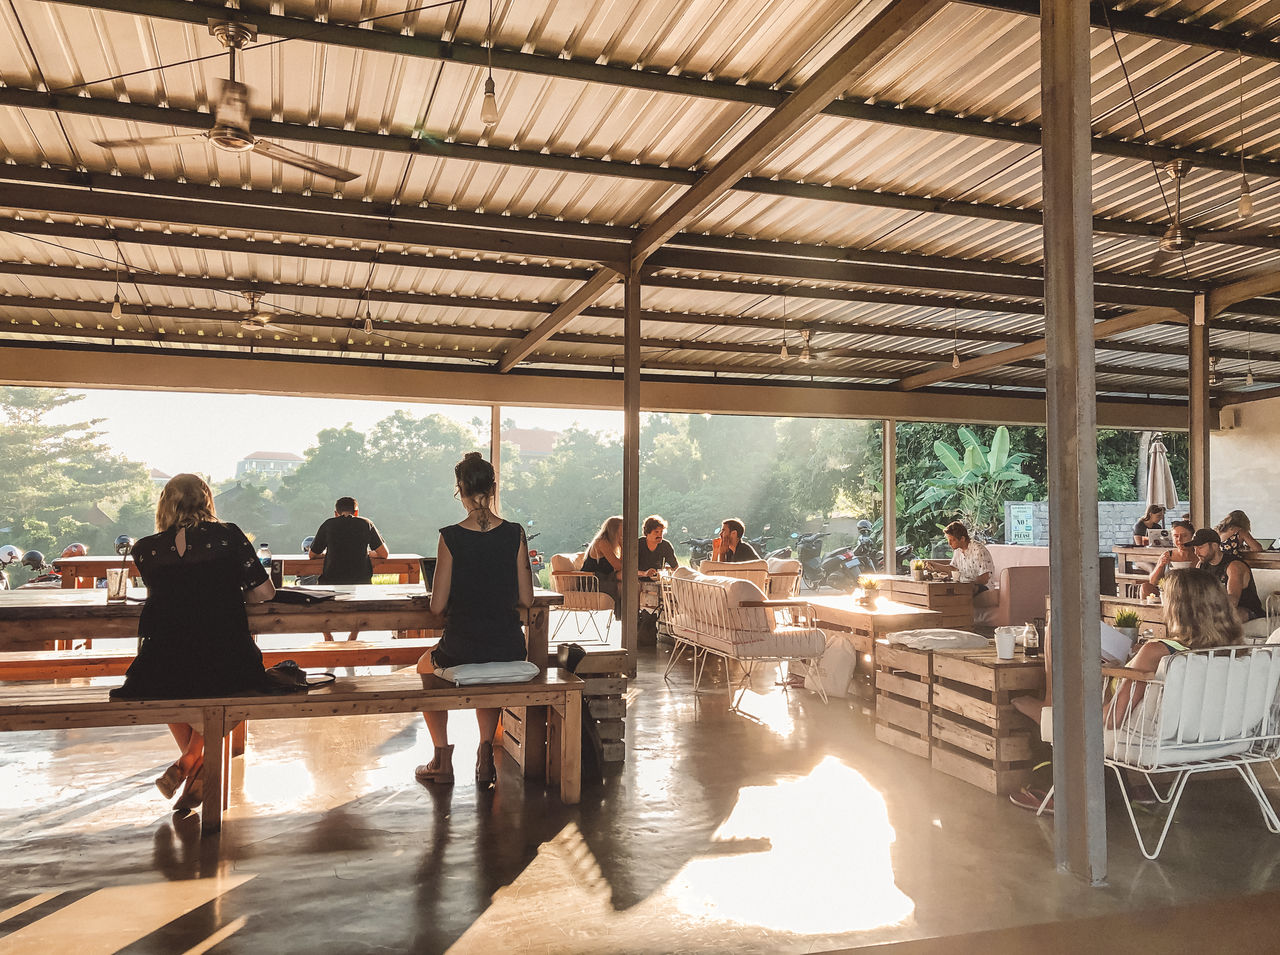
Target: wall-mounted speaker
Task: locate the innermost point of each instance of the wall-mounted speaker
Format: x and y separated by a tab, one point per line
1227	419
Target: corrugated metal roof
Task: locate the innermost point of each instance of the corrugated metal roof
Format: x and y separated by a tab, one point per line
409	118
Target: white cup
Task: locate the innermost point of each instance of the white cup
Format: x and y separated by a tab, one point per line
117	584
1005	640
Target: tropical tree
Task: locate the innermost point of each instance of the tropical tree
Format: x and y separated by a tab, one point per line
974	484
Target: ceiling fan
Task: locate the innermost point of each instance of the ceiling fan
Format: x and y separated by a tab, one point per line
1215	379
230	130
1178	237
259	320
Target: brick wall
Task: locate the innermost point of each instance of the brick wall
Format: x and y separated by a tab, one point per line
1115	521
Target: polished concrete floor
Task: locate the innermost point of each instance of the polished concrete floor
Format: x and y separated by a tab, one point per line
787	830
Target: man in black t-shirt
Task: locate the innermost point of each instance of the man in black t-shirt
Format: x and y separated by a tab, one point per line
732	547
347	541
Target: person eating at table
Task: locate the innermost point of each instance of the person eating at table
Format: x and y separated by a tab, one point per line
1149	521
1182	557
348	542
194	638
971	563
482	580
1232	572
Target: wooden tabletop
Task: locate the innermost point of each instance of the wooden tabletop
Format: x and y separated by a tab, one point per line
885	615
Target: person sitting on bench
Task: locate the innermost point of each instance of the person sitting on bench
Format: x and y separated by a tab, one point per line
194	638
347	542
482	580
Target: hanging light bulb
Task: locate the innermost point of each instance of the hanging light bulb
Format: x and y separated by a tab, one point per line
1248	377
784	354
489	108
368	325
1246	199
116	310
489	105
804	347
955	359
955	340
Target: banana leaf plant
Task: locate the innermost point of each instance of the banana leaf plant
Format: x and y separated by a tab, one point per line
974	483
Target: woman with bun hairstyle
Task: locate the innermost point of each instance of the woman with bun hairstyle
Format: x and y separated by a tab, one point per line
482	580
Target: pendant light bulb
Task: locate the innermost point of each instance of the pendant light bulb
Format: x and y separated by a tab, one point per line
955	359
116	310
1246	199
784	354
489	108
1248	378
368	325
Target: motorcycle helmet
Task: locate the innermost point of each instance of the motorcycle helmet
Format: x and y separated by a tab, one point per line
9	555
864	527
306	543
75	550
124	545
33	559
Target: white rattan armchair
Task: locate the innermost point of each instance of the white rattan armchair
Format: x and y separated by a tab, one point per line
582	595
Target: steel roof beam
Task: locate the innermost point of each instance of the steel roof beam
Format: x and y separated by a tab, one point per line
363	38
490	227
646	172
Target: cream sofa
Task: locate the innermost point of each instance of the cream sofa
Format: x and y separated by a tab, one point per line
1019	586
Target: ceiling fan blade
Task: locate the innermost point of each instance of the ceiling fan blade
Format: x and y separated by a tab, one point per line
144	141
1230	235
265	147
1158	260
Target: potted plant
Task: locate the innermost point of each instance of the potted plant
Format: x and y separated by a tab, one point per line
1127	623
917	570
870	590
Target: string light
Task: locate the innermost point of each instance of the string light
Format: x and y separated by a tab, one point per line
1246	198
116	310
489	105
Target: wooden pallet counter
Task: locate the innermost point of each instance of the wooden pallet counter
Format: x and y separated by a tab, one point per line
904	693
952	599
976	734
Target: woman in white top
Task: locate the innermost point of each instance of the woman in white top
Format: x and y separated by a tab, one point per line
1182	557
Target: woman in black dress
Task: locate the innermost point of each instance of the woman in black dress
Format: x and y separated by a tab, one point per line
604	559
194	636
482	580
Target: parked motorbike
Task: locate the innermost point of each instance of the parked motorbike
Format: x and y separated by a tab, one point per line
841	569
760	543
45	578
808	550
536	561
782	553
868	549
9	555
699	550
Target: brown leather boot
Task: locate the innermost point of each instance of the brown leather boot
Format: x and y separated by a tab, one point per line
439	770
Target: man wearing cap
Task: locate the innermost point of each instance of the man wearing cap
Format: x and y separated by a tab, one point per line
1232	572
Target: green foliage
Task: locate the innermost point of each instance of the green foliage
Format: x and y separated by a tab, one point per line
975	485
1127	618
62	484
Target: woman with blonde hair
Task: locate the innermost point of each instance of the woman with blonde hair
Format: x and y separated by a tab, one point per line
194	638
1236	532
604	559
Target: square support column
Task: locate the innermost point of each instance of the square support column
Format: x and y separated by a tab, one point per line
889	482
630	589
1080	830
1198	411
495	452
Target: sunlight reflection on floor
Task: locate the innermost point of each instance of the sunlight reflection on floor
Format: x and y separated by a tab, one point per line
771	708
808	856
826	837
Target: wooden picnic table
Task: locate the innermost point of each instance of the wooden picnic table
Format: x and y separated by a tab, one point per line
31	619
81	572
953	599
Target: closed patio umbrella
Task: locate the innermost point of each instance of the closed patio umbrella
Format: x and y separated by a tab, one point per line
1160	488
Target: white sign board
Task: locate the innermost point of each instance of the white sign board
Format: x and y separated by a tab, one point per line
1021	528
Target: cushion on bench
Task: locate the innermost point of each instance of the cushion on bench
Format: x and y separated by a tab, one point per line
469	674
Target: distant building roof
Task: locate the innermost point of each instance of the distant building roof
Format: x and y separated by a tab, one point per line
272	456
158	475
532	441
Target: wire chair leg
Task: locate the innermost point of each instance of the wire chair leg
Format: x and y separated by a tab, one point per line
1176	793
1255	786
676	651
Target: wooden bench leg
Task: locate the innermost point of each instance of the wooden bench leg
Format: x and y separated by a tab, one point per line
571	750
535	741
239	738
215	720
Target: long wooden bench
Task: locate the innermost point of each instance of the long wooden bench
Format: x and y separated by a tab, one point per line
556	694
64	664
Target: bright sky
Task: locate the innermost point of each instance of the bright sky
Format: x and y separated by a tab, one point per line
180	431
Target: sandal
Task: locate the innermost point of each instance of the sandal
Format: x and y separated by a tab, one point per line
1028	798
192	797
486	772
170	780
